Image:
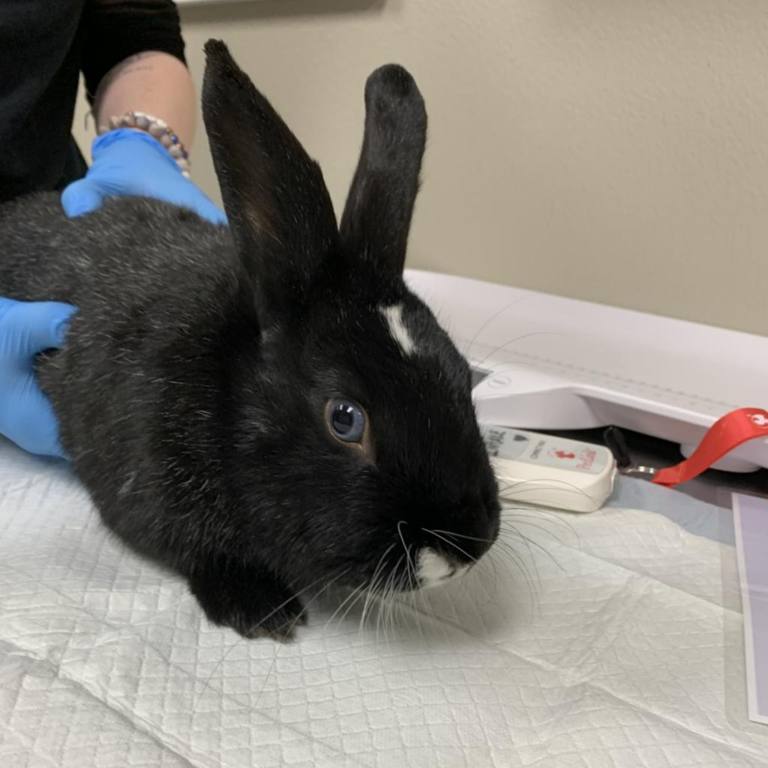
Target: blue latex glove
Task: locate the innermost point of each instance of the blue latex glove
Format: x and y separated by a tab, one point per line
26	329
131	163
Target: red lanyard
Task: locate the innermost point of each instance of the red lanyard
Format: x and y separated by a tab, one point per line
723	436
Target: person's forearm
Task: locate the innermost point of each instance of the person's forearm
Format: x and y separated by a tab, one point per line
151	82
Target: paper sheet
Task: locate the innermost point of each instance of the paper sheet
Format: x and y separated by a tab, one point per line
587	641
751	522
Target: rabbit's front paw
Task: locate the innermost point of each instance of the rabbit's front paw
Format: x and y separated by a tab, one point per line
249	600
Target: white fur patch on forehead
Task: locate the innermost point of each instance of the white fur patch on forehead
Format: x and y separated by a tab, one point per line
433	569
394	317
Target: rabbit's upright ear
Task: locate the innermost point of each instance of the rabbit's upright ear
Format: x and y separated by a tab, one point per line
377	216
274	195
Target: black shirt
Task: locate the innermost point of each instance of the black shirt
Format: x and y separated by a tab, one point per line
44	45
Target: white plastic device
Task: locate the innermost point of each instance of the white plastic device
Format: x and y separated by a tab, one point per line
553	364
549	471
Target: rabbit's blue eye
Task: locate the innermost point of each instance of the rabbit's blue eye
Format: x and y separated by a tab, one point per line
346	420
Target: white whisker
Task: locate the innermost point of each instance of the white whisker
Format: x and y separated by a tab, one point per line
450	543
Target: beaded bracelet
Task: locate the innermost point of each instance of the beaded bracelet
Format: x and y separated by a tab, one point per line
156	128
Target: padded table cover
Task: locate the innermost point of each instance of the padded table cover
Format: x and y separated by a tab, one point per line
601	640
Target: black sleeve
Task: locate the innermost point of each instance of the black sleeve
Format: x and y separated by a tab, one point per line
113	30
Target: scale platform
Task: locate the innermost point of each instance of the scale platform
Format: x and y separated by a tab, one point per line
551	363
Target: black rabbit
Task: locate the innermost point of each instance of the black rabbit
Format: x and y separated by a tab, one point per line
264	408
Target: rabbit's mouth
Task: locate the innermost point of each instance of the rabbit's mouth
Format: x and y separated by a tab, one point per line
434	568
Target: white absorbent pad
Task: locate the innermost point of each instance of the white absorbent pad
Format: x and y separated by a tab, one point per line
601	640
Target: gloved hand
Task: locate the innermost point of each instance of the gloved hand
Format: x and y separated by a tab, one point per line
128	162
26	329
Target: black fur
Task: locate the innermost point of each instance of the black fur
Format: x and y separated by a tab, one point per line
192	387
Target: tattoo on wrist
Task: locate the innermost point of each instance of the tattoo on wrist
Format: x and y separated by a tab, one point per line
129	65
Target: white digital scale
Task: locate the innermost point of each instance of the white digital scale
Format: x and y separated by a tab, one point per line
544	362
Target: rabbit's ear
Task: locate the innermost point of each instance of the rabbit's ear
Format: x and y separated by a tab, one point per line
377	216
278	206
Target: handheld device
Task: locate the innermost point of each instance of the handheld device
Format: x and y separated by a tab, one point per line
549	471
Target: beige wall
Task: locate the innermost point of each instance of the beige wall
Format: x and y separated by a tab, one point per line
611	150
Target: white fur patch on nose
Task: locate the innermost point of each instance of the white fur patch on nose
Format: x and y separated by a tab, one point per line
433	569
394	317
